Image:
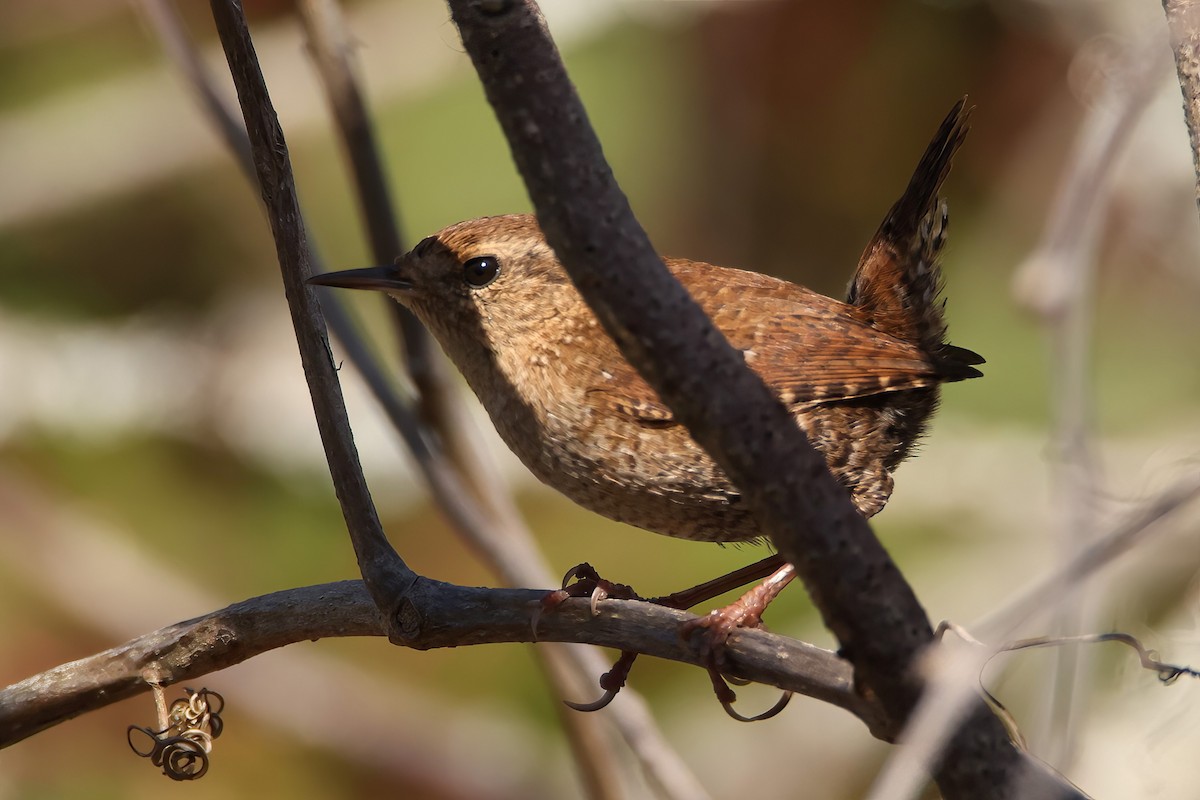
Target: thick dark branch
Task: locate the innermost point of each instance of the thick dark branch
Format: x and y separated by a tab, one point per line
385	573
435	615
860	593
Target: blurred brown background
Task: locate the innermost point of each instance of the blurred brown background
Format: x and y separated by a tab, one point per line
158	457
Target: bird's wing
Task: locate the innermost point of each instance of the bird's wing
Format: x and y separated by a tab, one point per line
810	349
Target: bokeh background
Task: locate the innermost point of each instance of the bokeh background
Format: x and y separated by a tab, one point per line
158	457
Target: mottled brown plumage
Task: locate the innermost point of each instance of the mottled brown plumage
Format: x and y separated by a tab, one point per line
861	377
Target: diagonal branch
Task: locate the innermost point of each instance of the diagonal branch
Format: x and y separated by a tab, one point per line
328	44
859	591
385	573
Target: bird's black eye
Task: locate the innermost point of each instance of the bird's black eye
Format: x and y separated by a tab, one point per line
479	272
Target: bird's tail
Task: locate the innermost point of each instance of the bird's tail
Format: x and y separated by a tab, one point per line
898	281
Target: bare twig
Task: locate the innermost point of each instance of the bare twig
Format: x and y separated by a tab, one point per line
1183	20
1055	282
384	572
1167	673
329	45
1120	538
587	220
182	51
953	675
452	616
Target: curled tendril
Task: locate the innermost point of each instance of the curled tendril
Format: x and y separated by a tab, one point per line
182	746
1167	673
184	758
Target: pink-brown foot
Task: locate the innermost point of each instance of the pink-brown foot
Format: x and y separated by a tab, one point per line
718	625
745	612
584	581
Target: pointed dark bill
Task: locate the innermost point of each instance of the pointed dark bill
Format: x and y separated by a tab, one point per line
378	278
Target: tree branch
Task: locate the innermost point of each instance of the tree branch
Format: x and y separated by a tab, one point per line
859	591
434	614
384	572
329	44
1183	20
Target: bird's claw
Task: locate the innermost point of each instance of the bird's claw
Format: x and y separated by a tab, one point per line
611	682
718	627
727	698
595	705
582	580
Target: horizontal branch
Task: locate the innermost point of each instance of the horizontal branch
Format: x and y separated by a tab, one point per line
432	615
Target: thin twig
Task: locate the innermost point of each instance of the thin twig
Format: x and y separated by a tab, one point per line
1134	530
1167	673
952	675
385	573
329	46
1183	21
1055	281
183	53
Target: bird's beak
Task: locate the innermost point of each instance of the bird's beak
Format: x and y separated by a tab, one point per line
384	279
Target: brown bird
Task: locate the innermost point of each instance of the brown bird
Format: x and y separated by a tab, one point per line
861	377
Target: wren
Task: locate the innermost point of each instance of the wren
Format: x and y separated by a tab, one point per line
860	377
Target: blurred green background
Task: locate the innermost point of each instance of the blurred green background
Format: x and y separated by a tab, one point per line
158	458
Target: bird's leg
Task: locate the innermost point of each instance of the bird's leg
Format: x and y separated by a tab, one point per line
584	581
719	624
745	612
687	598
